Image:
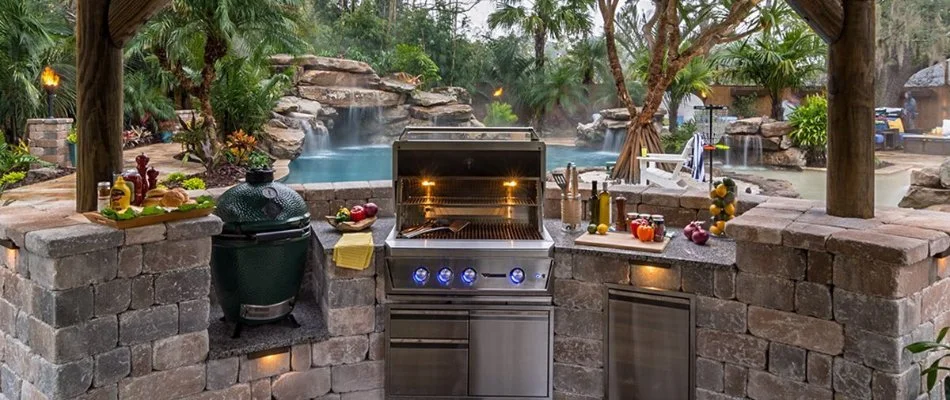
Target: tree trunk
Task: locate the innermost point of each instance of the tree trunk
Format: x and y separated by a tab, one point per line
777	112
891	78
540	39
851	114
99	69
674	113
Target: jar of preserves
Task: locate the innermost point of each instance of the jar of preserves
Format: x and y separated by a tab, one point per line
659	228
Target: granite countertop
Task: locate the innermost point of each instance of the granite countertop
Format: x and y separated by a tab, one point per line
328	235
717	252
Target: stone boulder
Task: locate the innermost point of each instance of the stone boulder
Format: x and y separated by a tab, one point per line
394	114
460	94
748	126
620	114
776	129
281	141
924	197
944	172
777	143
428	99
396	86
589	135
789	158
289	104
311	62
339	78
450	112
927	177
343	97
614	124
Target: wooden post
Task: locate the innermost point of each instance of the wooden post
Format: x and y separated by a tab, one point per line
851	114
99	102
99	95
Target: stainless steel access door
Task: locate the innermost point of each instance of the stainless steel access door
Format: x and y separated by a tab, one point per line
650	344
510	353
428	353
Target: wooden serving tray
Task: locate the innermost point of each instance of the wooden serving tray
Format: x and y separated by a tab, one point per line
350	226
136	222
621	240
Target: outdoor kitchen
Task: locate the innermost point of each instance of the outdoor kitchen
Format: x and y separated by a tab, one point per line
466	282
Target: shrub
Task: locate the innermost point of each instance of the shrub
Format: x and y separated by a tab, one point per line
193	184
675	141
240	147
73	135
258	160
244	95
175	177
10	178
413	60
810	121
744	106
499	114
17	158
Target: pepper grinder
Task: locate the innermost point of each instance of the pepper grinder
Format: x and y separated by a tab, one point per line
621	204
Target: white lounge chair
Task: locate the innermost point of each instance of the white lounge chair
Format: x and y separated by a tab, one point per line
650	173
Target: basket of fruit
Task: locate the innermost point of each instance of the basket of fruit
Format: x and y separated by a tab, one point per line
354	219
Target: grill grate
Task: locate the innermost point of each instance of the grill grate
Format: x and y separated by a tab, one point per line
469	201
487	231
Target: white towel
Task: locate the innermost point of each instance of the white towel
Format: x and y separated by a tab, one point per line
696	161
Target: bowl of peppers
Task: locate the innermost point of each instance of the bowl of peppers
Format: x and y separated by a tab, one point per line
354	219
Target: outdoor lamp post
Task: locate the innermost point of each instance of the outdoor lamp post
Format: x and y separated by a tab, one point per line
50	81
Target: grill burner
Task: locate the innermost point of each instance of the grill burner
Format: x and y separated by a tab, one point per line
487	231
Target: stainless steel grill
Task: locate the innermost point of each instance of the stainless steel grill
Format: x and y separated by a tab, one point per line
470	313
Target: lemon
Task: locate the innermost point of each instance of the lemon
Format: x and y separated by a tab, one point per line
602	229
715	230
730	209
721	225
714	209
712	194
721	190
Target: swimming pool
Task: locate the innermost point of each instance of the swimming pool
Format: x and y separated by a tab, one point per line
364	163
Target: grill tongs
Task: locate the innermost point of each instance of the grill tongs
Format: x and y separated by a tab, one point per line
433	226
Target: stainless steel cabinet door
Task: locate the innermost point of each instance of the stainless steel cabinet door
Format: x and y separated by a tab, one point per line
509	353
427	368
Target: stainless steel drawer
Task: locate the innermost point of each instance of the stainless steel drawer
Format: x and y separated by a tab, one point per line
428	324
427	367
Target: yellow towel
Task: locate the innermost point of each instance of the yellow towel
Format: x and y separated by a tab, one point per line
354	250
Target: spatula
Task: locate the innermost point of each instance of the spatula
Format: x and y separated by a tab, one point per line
456	226
560	180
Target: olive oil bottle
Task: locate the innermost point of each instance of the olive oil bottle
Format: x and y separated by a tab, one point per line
603	204
594	204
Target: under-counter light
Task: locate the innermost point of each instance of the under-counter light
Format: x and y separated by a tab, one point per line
269	356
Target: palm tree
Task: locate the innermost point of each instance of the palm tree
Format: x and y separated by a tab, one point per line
552	87
544	18
33	34
192	36
589	58
694	78
777	60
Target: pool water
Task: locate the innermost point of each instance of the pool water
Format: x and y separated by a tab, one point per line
368	163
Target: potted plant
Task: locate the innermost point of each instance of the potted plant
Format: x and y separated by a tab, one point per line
167	129
71	145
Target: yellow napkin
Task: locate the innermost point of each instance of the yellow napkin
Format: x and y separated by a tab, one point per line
354	250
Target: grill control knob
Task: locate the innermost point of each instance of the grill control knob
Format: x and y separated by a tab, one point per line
469	276
445	276
420	275
516	276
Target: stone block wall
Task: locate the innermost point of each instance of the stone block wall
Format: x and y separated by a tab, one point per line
327	198
48	139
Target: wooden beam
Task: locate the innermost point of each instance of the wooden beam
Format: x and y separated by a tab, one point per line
99	69
126	16
826	17
851	114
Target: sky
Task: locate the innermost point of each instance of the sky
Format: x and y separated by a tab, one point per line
479	15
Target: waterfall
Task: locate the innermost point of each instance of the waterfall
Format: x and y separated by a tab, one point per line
316	141
613	140
744	150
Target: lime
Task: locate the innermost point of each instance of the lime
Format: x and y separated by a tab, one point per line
592	228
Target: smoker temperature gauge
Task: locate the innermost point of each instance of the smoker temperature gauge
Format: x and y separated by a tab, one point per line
420	275
516	276
445	276
469	276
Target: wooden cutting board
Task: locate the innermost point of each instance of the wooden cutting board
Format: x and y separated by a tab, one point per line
621	240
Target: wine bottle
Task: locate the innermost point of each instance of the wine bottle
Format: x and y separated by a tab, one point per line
603	211
594	204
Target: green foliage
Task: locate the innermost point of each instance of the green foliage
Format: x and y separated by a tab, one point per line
675	141
499	114
542	19
245	94
193	184
744	106
810	121
174	177
144	100
936	347
10	178
413	60
17	158
544	89
73	136
196	143
258	160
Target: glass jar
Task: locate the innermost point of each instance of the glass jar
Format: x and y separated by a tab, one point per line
659	228
103	195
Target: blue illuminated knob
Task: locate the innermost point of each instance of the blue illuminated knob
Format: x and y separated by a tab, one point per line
445	276
516	276
469	276
420	275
